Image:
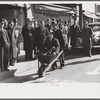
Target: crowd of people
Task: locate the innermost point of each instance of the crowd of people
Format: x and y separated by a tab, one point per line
42	37
9	43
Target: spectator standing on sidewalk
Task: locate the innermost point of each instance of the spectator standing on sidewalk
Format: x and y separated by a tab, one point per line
87	33
4	47
27	32
17	31
59	35
13	48
41	35
65	33
74	32
34	37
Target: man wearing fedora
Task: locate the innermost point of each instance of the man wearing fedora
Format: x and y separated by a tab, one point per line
4	47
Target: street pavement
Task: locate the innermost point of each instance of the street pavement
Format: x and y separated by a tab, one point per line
78	69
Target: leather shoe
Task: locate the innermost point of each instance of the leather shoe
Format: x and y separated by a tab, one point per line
62	65
90	55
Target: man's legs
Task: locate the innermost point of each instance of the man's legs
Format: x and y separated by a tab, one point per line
62	63
30	54
6	58
90	51
1	58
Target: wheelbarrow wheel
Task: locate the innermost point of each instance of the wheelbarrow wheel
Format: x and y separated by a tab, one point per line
41	70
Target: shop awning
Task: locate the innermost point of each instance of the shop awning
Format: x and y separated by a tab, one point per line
91	15
60	9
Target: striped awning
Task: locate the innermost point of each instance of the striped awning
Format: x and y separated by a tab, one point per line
59	8
91	15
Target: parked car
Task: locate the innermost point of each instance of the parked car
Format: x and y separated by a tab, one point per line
96	34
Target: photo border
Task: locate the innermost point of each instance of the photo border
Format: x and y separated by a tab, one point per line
86	95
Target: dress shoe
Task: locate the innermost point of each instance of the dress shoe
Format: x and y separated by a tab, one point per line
90	55
54	66
62	65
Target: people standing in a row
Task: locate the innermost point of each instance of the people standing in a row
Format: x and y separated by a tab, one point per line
4	47
10	34
66	34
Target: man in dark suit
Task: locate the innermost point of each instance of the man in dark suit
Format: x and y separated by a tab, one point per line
27	32
87	33
41	35
4	47
74	33
59	35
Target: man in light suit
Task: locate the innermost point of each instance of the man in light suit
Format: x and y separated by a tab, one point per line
4	47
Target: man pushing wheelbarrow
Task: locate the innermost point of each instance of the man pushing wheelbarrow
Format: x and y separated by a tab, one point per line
48	54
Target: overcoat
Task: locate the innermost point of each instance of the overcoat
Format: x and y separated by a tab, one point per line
12	37
4	47
41	34
58	34
74	33
18	37
28	37
87	37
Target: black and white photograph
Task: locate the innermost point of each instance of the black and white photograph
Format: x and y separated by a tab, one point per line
46	42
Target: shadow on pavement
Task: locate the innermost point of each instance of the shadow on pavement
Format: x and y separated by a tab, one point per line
20	79
81	62
6	75
79	53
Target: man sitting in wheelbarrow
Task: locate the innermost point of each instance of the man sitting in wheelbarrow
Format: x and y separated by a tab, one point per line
49	52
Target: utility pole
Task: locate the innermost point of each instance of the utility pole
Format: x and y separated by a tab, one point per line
25	11
80	16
